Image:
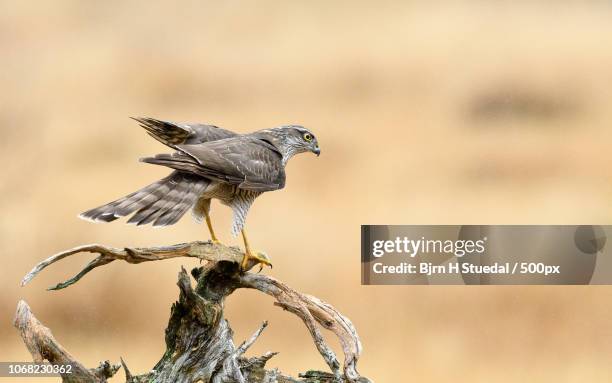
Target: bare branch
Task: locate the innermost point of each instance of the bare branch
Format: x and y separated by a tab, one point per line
128	374
199	315
312	311
249	342
202	250
43	346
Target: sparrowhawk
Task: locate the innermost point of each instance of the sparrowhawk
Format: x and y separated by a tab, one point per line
210	163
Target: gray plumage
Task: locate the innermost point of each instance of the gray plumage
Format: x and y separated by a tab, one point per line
171	133
209	163
162	203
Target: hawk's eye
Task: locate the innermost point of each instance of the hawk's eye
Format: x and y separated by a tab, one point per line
308	137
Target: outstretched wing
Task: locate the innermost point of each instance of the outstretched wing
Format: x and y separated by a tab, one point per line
248	162
171	133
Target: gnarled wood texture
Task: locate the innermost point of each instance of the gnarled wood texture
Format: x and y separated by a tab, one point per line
199	341
43	346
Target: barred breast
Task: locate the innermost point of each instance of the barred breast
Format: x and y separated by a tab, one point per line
243	199
239	200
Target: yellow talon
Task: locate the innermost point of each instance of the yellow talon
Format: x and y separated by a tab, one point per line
260	258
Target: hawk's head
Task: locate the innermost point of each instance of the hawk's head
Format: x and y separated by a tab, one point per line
293	139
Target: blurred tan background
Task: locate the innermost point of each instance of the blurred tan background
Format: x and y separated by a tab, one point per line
452	112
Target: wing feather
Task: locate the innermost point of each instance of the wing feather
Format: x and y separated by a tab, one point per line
171	133
250	163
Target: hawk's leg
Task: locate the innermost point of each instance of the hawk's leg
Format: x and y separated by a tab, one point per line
213	236
202	209
260	259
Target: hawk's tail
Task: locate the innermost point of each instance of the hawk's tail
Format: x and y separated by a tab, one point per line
163	202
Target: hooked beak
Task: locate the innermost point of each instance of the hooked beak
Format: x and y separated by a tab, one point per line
317	151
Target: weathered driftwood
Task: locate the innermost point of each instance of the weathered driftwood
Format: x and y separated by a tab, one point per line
199	341
43	346
202	250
